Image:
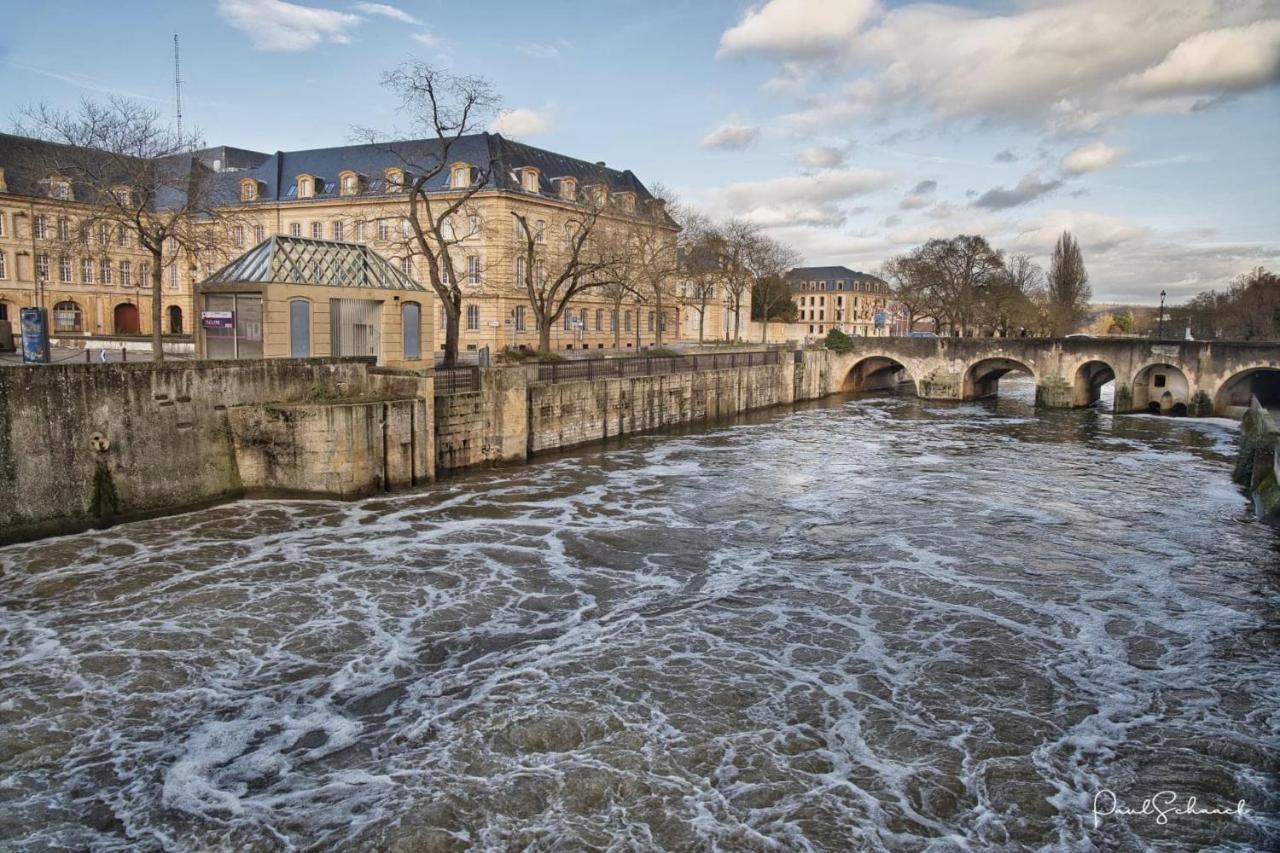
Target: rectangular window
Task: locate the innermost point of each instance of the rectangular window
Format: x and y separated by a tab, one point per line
539	273
173	276
519	318
339	232
384	230
317	231
519	228
42	267
1	223
64	231
105	269
144	274
237	235
122	237
473	269
359	232
126	274
473	225
599	320
406	267
104	233
64	269
473	317
37	226
444	270
651	321
626	321
259	234
540	231
520	267
613	320
295	229
568	321
3	272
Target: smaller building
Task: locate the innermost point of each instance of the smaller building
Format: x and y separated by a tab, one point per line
290	297
839	298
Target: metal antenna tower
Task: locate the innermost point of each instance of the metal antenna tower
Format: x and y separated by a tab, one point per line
177	86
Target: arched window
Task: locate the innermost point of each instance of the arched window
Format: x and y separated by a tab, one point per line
67	317
175	320
299	328
411	316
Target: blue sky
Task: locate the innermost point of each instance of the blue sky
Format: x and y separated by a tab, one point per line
851	129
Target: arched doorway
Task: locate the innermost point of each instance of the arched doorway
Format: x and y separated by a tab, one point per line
982	379
175	320
67	317
878	374
125	320
1094	383
1158	388
1233	395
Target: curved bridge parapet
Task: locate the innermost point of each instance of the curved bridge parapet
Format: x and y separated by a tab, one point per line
1193	377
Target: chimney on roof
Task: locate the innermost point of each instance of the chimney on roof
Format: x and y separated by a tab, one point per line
600	163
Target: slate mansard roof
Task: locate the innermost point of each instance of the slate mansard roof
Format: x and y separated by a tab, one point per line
296	260
276	174
824	275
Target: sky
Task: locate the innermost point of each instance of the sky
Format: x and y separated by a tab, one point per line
852	130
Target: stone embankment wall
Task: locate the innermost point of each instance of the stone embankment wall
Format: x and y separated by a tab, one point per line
1258	464
82	445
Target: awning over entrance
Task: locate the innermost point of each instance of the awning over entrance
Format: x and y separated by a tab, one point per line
296	260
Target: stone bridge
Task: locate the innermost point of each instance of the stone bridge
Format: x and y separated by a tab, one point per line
1173	377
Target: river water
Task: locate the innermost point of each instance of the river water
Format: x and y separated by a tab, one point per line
864	624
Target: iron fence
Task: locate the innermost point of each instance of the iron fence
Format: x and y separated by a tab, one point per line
651	365
457	380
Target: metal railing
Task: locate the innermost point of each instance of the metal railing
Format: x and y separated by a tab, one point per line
651	365
457	380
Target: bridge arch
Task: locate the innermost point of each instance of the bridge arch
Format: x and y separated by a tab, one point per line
878	373
1161	388
982	378
1260	380
1088	380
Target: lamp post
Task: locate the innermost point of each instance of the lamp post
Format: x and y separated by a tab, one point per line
1160	334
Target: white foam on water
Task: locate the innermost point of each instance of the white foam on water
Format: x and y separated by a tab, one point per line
882	624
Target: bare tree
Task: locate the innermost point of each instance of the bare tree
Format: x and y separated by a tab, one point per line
769	262
445	107
557	268
1069	291
700	265
909	289
737	237
128	171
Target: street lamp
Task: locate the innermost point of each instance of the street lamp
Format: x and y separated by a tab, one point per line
1160	334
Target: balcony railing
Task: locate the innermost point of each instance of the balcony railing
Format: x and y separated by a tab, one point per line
457	380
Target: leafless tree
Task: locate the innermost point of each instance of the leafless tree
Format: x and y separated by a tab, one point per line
769	262
444	107
737	238
701	250
909	289
1069	291
554	269
129	172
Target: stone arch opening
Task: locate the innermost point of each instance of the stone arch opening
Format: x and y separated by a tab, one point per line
880	374
1233	395
1158	388
982	379
125	319
1090	384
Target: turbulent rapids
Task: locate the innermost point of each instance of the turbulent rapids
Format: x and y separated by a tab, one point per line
876	623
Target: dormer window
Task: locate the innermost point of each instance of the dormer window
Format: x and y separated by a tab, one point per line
349	183
529	179
599	194
60	188
626	200
122	195
394	179
568	189
248	190
306	186
460	176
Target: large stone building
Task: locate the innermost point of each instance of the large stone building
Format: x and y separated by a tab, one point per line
357	194
838	298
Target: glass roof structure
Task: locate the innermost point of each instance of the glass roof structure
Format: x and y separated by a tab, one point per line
296	260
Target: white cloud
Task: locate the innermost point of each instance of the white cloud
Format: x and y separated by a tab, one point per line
1231	59
520	122
1098	233
820	157
796	28
733	137
539	50
387	12
1069	65
279	26
425	38
797	200
1091	157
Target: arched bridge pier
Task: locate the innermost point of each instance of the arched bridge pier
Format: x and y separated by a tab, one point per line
1170	377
